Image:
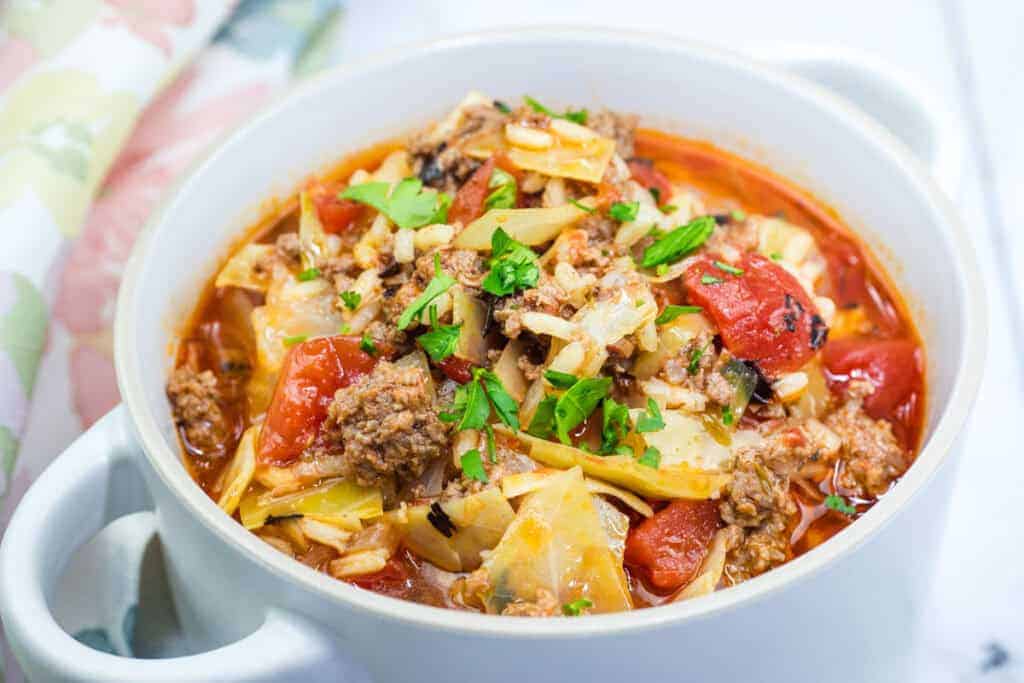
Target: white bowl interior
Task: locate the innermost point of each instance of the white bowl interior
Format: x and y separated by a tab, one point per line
800	132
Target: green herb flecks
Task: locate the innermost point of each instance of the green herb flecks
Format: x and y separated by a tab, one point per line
579	117
651	420
513	266
409	205
672	311
438	285
679	242
473	466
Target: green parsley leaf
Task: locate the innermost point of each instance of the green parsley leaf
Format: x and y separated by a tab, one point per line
673	311
492	451
502	107
560	380
470	408
679	242
614	425
575	608
661	269
582	207
309	274
624	212
576	404
651	421
409	204
504	194
776	256
542	424
706	279
351	299
725	267
366	344
839	504
504	405
651	457
738	215
668	208
297	339
727	416
656	193
473	466
345	329
438	285
441	341
513	266
695	357
623	449
579	117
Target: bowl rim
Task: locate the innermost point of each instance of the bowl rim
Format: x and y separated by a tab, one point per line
934	452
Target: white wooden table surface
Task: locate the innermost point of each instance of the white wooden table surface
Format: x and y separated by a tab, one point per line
969	56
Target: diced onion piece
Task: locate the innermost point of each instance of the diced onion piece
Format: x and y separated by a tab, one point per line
530	138
358	564
665	482
554	193
575	285
628	497
238	475
431	236
816	398
247	268
533	182
710	573
671	396
551	325
529	226
647	337
673	337
394	168
404	246
790	387
367	249
570	359
685	442
572	132
508	371
587	161
471	313
479	522
417	359
326	534
826	308
359	177
336	501
521	483
534	395
312	238
451	122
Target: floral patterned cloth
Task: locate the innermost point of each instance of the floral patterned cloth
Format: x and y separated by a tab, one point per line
103	104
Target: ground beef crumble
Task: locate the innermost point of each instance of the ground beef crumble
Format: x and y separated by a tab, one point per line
873	457
196	401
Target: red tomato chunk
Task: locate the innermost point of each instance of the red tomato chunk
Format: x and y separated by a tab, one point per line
468	204
892	365
336	215
644	173
668	548
312	372
763	314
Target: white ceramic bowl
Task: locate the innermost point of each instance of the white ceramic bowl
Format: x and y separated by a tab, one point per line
849	605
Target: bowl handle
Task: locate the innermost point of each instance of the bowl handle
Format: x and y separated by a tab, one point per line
92	483
893	98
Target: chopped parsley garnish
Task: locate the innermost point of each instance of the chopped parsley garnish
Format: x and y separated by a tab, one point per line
503	195
695	357
651	457
673	311
438	285
309	274
656	193
725	267
614	425
442	340
706	279
624	212
473	401
579	117
776	256
577	403
351	299
513	266
839	504
542	424
727	416
473	466
502	107
297	339
366	344
345	328
492	451
560	380
668	208
575	608
650	421
581	206
661	269
409	205
679	242
738	215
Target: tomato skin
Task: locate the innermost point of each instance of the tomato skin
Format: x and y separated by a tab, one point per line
668	548
892	365
393	579
643	172
764	315
336	215
468	204
312	372
457	369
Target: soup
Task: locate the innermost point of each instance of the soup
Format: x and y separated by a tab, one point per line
542	363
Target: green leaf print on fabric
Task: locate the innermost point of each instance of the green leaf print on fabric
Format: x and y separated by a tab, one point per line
23	330
49	25
8	456
67	145
263	29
